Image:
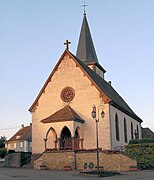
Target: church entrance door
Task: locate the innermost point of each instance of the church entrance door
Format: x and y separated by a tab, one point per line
66	140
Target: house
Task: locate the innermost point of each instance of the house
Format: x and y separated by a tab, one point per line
147	133
21	141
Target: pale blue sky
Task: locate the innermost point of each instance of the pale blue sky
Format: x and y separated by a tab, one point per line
32	33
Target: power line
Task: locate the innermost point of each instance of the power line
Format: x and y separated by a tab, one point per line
9	128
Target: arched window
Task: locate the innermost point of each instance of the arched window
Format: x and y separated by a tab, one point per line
117	127
132	131
137	132
125	130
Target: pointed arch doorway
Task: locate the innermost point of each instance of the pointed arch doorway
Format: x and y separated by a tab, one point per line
66	139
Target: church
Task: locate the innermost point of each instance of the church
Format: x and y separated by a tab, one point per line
77	109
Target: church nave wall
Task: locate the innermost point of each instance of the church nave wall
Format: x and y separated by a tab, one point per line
117	144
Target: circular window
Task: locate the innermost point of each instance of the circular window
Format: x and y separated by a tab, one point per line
67	94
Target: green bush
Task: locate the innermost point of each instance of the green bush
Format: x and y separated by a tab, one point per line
141	141
3	152
143	153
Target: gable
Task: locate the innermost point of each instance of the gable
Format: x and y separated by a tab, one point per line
107	92
24	133
66	64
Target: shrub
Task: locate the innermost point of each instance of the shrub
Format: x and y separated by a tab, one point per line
11	151
3	152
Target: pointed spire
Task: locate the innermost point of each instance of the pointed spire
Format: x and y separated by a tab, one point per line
86	51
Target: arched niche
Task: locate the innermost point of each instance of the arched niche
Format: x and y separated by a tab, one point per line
65	138
51	139
78	139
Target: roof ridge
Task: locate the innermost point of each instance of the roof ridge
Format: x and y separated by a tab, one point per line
22	132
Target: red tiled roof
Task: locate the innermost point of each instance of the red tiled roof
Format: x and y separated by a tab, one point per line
24	133
64	114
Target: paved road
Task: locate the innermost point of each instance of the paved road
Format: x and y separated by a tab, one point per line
30	174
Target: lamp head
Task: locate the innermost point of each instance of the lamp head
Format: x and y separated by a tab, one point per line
93	113
102	114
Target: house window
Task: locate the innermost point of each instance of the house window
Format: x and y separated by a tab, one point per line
15	145
17	137
30	144
132	131
117	127
21	144
9	147
125	130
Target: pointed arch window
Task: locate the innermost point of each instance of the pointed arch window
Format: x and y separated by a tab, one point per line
125	131
117	127
132	130
137	131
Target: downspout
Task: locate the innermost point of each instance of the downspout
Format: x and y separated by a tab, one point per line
110	126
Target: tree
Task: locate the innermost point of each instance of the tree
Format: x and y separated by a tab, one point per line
2	141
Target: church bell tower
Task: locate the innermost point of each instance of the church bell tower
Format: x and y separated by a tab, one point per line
86	50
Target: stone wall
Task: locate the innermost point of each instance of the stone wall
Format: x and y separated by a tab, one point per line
110	161
17	159
56	160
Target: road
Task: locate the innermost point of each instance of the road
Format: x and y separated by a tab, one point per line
30	174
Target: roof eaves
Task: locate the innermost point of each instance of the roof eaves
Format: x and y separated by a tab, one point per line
109	90
47	81
125	111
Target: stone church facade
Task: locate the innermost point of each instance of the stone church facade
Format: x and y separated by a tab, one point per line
61	113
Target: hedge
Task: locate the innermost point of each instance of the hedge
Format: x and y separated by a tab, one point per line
141	141
143	153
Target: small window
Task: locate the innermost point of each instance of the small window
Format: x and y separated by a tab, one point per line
15	145
30	144
17	137
117	127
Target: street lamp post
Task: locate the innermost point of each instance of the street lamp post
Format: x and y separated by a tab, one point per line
93	114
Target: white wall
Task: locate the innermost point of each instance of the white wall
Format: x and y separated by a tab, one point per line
114	143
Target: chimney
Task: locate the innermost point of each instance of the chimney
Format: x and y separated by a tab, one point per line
30	124
22	126
110	83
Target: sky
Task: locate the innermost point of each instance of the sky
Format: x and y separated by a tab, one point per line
32	35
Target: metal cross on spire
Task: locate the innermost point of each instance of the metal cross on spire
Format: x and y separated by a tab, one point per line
67	44
84	6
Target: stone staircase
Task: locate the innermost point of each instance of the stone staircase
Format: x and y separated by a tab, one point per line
36	161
